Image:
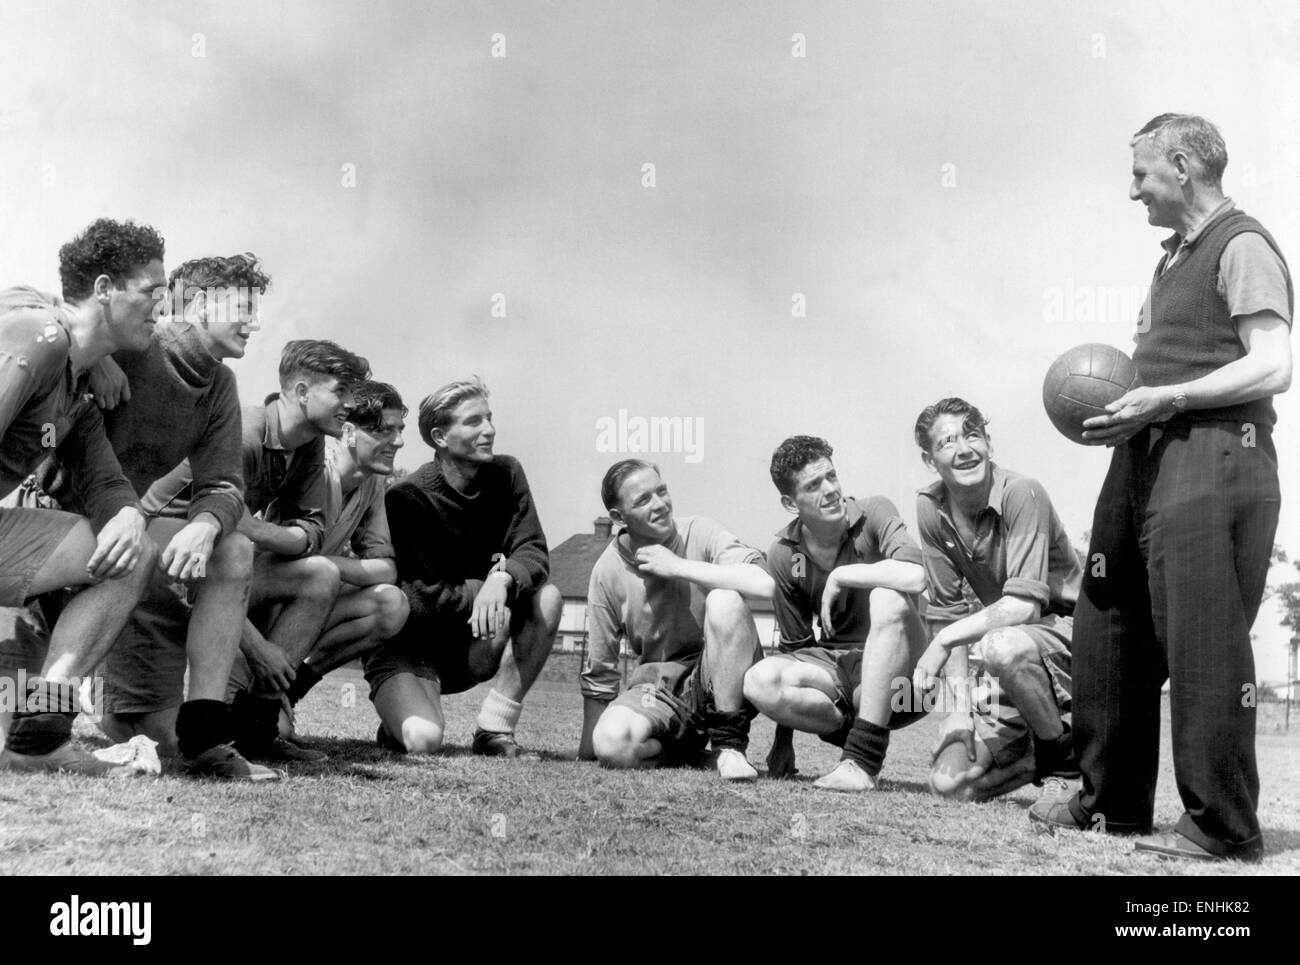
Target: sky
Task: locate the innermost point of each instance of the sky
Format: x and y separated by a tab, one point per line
853	209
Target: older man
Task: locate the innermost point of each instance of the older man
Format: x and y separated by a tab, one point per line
1185	521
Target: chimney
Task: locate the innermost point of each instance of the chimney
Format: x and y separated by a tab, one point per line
604	527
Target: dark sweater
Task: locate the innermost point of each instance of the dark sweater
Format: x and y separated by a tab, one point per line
1192	332
183	405
447	540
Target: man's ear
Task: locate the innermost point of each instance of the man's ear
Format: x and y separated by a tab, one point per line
438	438
928	460
103	285
300	391
616	516
196	311
789	505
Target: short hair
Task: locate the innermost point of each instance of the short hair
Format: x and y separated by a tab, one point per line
370	400
318	359
436	409
200	274
790	457
107	247
971	418
1192	135
614	476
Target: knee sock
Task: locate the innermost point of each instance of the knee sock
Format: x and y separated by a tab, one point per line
202	725
256	721
46	722
499	713
866	746
304	679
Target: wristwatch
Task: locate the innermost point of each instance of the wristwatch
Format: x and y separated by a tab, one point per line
1180	402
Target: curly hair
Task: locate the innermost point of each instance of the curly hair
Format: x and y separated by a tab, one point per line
201	274
370	400
317	360
790	457
971	418
107	247
614	476
436	408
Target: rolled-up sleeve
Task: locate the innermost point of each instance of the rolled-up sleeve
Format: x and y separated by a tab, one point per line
600	676
1027	518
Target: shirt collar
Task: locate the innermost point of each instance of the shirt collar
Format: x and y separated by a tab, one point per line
792	532
1176	241
939	493
271	434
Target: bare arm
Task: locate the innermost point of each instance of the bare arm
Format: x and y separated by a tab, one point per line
365	572
281	540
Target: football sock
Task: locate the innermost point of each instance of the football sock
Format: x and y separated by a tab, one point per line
499	713
37	734
202	725
304	679
866	746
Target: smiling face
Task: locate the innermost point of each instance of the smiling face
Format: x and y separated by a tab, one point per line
1158	184
471	435
129	309
226	318
376	449
959	452
325	403
644	506
816	495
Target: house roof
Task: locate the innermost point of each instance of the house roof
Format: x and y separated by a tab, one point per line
574	559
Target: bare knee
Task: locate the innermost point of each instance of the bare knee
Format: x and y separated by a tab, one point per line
320	579
724	610
614	743
232	560
548	607
391	611
951	787
763	684
1006	651
421	736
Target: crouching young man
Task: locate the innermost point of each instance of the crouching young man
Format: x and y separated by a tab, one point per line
676	590
851	565
997	531
473	563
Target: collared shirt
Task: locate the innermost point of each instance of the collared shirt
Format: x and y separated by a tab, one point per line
875	532
662	619
355	524
1020	549
1252	277
43	406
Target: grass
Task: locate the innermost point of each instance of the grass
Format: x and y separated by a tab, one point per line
369	812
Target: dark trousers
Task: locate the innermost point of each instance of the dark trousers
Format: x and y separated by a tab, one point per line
1181	543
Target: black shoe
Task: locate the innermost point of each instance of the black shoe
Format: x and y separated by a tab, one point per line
491	743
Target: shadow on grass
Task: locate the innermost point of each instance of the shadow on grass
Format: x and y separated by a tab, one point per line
1279	842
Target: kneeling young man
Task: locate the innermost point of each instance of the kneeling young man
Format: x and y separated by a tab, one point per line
676	589
851	565
473	563
996	531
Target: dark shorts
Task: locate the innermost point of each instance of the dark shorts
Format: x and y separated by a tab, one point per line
845	669
145	670
441	656
676	696
28	537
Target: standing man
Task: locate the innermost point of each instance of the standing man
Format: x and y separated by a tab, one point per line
995	531
111	274
1185	521
472	561
676	590
850	566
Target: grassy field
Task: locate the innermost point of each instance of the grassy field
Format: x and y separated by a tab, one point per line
369	812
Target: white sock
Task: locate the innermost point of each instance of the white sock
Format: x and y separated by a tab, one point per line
499	713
